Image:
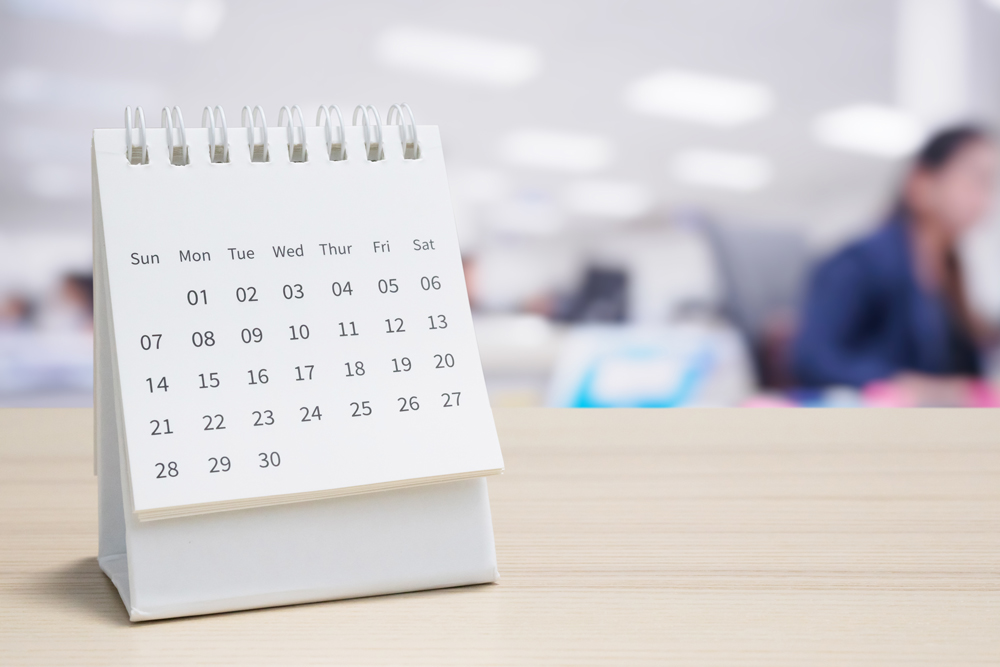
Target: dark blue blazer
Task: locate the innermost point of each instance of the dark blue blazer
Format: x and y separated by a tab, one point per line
866	317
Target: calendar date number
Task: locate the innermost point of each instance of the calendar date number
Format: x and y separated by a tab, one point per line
165	470
258	377
206	339
150	341
214	423
272	460
254	335
196	297
160	427
311	414
263	418
162	384
221	464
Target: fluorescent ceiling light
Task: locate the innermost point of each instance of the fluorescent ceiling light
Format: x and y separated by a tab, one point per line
725	170
869	129
699	98
195	20
458	57
608	199
559	151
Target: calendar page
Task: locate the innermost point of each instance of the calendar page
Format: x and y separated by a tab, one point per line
287	330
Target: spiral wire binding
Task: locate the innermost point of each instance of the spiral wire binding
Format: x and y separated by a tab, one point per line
407	132
373	149
214	121
178	152
336	150
258	152
217	152
296	150
136	154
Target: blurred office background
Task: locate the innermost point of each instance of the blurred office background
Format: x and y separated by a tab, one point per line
641	188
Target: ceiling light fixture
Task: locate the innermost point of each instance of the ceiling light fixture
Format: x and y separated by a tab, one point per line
699	98
557	150
195	20
870	129
725	170
457	57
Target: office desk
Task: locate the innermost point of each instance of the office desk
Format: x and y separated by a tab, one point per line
624	538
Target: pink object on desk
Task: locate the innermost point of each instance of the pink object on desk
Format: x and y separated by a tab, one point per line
977	394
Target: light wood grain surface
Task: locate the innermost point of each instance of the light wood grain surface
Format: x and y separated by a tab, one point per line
715	537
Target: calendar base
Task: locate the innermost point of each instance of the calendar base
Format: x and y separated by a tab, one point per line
391	542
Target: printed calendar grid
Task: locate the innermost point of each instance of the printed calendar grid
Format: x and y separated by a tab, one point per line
313	229
350	318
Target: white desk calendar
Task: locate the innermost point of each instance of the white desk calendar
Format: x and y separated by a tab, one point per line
289	401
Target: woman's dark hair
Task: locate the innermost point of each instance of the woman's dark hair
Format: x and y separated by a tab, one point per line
938	152
946	144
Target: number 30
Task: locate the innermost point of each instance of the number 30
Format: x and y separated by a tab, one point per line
272	460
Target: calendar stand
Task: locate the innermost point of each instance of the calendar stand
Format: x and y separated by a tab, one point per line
423	537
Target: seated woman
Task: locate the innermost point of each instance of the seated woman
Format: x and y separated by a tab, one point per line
893	305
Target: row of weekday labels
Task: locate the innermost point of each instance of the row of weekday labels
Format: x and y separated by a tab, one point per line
279	251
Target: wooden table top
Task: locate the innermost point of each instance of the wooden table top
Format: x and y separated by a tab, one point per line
695	537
